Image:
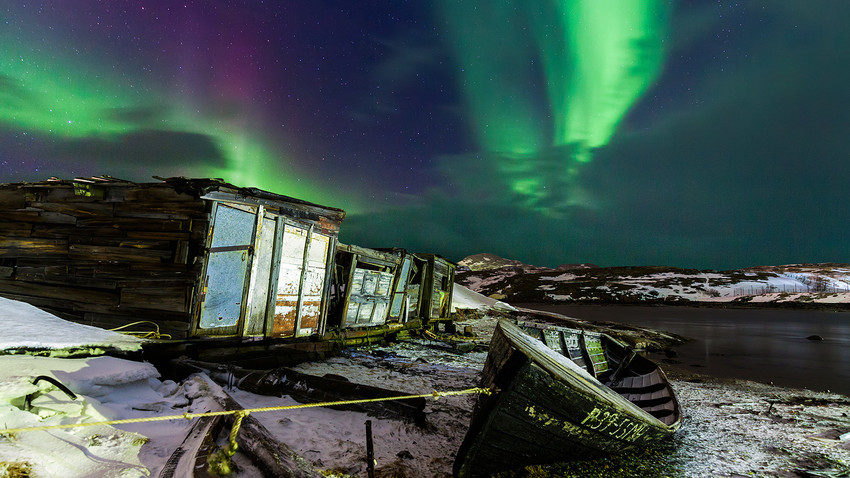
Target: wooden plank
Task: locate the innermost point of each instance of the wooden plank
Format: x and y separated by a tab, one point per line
73	294
158	193
76	209
40	302
182	282
12	197
159	235
48	268
42	261
17	229
181	255
123	242
137	224
186	210
38	217
102	270
182	462
23	247
160	298
129	274
58	193
200	228
61	275
510	433
63	231
119	254
166	269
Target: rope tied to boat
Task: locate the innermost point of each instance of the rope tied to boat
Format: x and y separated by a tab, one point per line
480	391
219	462
245	411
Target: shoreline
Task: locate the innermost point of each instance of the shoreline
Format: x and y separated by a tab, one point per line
814	306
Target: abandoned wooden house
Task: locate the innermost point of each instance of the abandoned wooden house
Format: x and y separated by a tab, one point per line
198	257
363	286
438	278
424	287
375	287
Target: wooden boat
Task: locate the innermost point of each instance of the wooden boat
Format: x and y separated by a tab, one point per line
564	394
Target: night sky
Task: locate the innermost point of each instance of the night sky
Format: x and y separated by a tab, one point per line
706	134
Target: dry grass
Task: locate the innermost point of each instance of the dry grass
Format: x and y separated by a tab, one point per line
15	469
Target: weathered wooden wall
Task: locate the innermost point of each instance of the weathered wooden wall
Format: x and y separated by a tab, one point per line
103	252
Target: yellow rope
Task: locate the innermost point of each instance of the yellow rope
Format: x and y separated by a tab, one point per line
141	333
245	411
235	430
219	462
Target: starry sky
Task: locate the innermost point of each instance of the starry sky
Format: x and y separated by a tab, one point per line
690	133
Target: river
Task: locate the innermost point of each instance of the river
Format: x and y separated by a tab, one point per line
766	345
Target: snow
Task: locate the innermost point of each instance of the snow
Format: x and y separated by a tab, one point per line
107	388
562	277
478	283
19	320
465	298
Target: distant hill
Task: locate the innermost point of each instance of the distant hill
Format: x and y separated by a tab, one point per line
512	281
486	262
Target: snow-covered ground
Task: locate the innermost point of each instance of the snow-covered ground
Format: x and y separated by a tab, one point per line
106	388
731	429
109	388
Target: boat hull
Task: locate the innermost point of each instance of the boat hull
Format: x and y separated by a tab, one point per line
547	411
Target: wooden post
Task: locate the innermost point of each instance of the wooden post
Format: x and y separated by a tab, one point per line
370	452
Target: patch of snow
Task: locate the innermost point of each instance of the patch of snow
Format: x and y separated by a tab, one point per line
26	326
562	277
107	388
479	283
466	298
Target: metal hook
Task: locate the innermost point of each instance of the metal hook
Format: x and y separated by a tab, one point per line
29	398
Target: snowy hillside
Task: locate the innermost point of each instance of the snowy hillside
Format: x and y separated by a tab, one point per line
799	283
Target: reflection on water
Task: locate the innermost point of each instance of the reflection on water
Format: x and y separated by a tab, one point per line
763	345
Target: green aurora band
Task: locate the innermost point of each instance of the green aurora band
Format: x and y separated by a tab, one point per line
39	95
596	57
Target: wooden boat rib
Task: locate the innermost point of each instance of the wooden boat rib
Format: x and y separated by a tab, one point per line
564	394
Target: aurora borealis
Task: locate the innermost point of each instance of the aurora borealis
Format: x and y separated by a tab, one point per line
690	133
597	58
